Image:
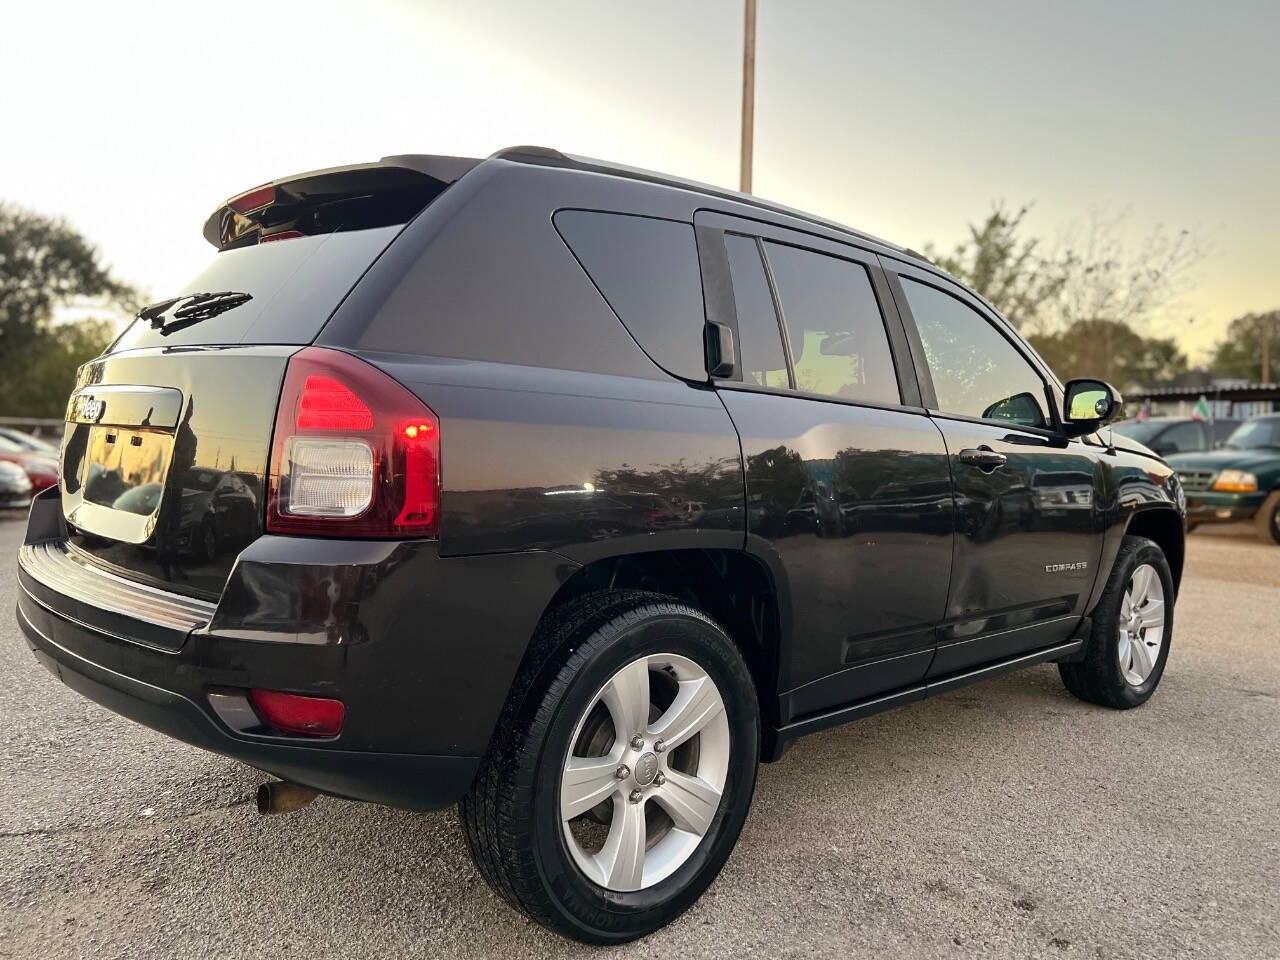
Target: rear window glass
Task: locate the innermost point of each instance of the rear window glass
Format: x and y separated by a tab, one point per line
647	270
838	342
294	286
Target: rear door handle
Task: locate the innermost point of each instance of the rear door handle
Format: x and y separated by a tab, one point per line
983	457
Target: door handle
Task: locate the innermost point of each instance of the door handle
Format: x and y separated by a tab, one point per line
983	457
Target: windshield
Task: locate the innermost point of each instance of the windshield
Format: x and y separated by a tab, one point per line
1263	432
1141	430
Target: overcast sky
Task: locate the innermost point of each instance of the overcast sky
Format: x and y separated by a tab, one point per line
905	119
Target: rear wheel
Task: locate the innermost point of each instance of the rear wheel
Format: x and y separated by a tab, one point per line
622	768
1267	519
1132	624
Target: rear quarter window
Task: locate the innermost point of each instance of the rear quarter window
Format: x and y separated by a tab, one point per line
647	271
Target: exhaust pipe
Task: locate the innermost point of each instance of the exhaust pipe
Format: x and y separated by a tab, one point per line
281	796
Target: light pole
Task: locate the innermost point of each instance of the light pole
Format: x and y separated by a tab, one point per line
748	94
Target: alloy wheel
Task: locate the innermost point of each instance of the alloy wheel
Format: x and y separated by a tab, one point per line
645	772
1141	625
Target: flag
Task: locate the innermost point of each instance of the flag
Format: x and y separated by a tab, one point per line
1144	412
1201	412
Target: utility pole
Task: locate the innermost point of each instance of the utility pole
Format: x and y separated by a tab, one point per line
748	94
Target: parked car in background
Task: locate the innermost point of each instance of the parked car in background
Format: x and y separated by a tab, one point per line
1169	435
1240	481
41	469
583	490
28	442
15	488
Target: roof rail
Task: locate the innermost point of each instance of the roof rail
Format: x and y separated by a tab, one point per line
549	157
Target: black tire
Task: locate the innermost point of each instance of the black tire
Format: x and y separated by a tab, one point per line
1099	678
1267	520
205	547
511	818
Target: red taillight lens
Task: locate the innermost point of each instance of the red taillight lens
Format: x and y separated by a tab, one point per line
294	713
355	454
282	235
253	199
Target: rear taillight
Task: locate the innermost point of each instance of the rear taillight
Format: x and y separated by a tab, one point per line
355	454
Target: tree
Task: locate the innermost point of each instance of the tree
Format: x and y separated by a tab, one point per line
1250	348
1094	286
1112	350
46	264
1005	268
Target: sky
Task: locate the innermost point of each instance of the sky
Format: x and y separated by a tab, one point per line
906	120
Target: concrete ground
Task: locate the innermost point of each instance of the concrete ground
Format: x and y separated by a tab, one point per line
1006	819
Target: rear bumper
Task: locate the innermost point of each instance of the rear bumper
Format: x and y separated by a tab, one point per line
1213	507
413	644
397	779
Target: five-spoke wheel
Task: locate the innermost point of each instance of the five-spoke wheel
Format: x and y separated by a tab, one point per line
1141	631
645	772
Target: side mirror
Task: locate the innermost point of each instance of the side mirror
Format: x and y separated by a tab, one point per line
1089	405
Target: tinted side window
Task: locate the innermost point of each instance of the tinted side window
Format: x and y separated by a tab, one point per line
648	271
838	342
759	338
1183	438
976	371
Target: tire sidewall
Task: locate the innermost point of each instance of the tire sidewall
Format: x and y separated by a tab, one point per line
1147	553
608	915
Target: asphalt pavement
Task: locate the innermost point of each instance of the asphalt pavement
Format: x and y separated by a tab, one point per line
1006	819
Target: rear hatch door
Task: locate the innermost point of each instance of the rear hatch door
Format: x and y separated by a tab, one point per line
168	435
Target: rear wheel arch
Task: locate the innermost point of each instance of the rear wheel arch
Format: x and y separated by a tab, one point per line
736	589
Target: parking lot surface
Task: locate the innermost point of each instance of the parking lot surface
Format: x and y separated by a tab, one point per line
1005	819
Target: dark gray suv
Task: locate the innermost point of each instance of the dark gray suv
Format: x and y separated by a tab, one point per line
571	492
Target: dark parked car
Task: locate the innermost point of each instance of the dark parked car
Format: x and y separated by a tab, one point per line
1241	481
585	489
1170	435
15	488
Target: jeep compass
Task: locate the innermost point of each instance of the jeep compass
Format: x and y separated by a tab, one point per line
569	492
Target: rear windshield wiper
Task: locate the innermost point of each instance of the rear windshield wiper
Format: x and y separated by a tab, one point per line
195	307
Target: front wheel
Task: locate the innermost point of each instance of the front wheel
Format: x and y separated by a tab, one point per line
1132	625
1267	520
622	768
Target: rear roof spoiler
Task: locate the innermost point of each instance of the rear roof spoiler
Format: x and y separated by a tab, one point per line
270	203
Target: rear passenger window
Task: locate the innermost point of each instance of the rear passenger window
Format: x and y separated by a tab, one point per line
976	372
759	339
838	342
647	270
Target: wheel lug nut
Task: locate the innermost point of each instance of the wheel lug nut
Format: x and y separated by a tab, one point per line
636	796
637	742
659	746
660	779
622	772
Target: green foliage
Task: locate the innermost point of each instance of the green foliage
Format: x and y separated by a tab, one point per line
1251	348
1081	305
1007	269
45	264
40	388
1111	350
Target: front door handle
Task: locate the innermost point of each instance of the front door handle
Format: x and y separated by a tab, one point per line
983	457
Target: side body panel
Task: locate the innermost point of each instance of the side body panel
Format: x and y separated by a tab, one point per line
855	503
558	431
848	502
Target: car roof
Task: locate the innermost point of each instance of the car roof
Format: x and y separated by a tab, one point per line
546	156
